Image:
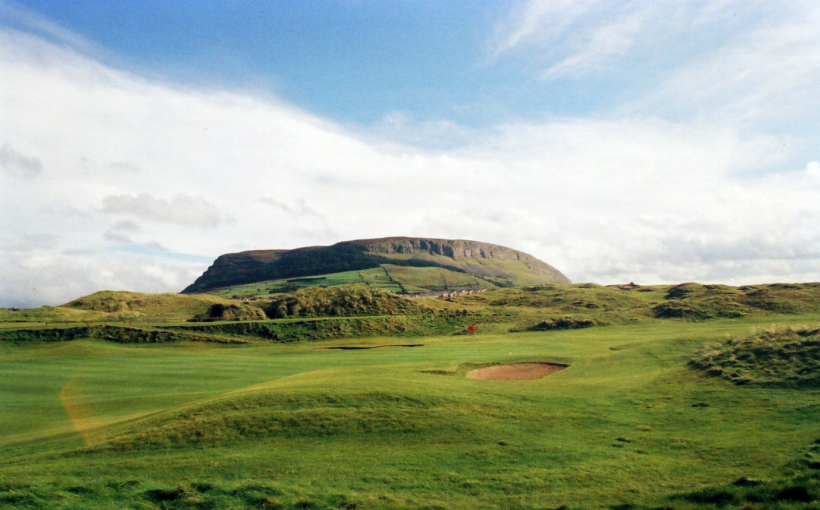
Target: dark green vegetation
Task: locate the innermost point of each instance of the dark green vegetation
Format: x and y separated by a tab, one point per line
346	300
776	356
484	265
649	414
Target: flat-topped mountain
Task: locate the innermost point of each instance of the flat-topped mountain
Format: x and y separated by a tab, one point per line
489	263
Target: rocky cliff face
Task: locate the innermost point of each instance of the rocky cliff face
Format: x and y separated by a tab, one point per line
452	249
481	259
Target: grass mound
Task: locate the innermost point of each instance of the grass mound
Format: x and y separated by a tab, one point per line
704	309
122	335
343	327
696	302
559	297
686	290
307	415
783	298
343	301
231	312
150	304
49	314
566	322
782	356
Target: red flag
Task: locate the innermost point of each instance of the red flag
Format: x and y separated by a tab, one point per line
471	329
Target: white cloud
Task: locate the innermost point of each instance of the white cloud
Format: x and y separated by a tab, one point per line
126	226
182	209
738	63
33	281
765	75
608	41
538	21
131	162
117	237
16	15
121	166
813	169
15	164
27	244
298	208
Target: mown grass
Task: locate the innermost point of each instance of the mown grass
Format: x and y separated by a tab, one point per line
92	424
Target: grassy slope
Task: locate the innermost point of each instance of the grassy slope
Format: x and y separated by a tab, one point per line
508	271
347	300
603	305
399	279
424	279
47	314
149	304
628	422
264	289
776	356
114	306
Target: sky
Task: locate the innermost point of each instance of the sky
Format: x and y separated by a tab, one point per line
619	141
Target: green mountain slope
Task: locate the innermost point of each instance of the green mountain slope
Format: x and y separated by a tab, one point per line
398	279
498	264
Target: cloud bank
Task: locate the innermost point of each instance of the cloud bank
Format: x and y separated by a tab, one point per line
133	183
182	209
14	164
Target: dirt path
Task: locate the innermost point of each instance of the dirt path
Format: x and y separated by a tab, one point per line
515	371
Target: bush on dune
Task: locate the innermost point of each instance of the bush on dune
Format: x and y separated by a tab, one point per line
343	301
785	356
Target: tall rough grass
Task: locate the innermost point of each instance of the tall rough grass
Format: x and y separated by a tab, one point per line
781	356
344	300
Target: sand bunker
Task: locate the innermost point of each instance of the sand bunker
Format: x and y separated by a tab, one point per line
516	371
352	347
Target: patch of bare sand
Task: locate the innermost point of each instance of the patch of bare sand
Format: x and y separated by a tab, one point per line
516	371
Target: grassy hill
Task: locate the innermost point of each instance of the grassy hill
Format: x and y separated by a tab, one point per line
398	279
497	264
692	397
372	293
112	306
141	303
344	301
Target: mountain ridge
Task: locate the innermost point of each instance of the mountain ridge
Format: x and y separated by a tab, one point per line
465	256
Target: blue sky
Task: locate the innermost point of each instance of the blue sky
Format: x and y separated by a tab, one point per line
351	61
619	141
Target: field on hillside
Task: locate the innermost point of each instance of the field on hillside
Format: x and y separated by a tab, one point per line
685	397
264	289
399	279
